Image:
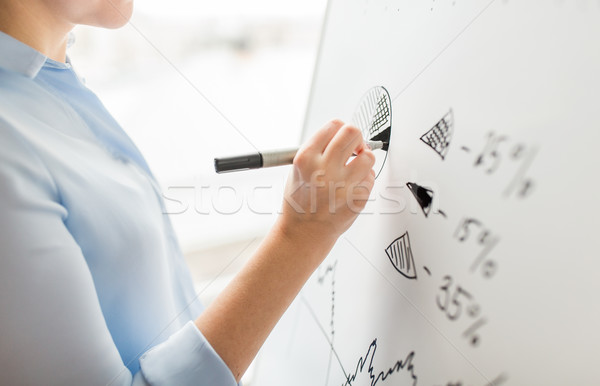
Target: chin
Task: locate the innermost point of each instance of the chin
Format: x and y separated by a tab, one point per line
114	14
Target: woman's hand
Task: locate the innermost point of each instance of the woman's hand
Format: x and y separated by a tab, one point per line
325	193
323	196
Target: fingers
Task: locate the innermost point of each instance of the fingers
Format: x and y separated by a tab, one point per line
347	141
368	182
361	170
361	192
338	142
362	165
322	138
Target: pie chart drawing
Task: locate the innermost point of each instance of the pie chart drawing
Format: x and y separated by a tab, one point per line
373	116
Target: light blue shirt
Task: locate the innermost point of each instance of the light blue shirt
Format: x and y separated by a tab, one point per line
93	286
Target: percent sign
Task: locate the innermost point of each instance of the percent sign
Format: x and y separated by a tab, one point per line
520	182
494	155
452	299
485	238
471	333
489	267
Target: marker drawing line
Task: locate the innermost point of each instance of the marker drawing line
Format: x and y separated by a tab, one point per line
474	327
484	252
328	367
405	364
439	137
330	269
419	311
443	50
520	175
401	256
423	195
293	332
316	319
349	378
188	81
498	380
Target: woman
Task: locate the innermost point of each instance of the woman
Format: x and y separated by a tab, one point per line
93	287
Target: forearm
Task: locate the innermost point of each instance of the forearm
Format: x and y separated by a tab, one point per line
324	194
238	322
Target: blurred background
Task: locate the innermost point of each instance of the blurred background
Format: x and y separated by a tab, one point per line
190	80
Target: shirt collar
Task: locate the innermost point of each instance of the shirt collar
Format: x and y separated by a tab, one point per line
19	57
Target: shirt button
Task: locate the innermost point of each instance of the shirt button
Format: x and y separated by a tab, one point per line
120	157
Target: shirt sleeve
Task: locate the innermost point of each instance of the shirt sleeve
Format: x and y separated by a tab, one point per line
183	360
52	328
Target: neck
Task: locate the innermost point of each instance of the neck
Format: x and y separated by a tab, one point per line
33	24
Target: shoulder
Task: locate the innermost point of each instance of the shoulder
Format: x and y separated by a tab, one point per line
13	84
20	163
22	97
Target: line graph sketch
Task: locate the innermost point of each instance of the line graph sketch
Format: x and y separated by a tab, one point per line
364	369
329	271
400	365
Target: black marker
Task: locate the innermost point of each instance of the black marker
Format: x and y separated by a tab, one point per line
269	158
